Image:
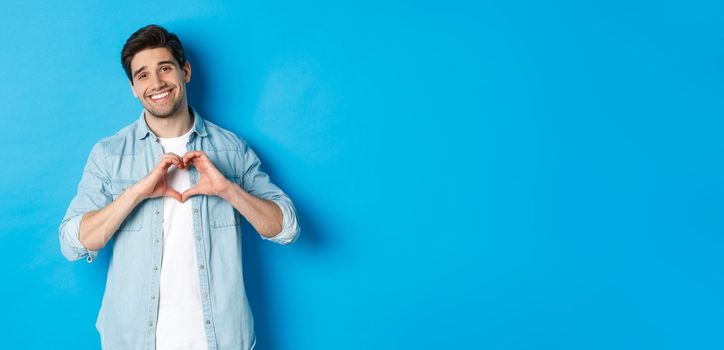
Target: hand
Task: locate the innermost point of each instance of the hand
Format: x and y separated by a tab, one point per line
154	184
211	181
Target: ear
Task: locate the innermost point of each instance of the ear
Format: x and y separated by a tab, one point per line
132	89
187	72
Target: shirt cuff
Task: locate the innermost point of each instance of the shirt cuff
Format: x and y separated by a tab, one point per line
71	246
290	226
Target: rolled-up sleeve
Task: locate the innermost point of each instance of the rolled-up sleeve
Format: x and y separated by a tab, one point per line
93	194
257	182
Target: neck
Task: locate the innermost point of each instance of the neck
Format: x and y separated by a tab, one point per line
172	126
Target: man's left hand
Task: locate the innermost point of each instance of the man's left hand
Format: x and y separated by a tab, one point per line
211	181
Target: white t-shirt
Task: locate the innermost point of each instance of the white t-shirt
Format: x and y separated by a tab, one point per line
180	322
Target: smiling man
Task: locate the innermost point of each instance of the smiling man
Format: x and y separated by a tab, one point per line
167	194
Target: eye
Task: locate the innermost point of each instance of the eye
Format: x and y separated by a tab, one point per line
165	68
141	76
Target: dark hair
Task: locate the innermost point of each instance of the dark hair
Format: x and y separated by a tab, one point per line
151	37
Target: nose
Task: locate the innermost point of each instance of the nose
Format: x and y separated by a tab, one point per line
157	82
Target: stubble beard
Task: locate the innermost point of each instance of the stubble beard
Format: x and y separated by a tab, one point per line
160	113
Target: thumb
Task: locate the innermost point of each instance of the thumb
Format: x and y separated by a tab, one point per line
190	193
170	192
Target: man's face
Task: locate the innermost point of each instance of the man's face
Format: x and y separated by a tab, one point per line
159	82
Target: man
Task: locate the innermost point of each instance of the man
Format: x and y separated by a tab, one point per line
167	193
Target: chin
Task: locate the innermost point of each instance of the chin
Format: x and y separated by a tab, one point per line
163	113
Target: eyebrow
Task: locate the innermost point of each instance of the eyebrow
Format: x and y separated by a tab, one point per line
138	70
144	67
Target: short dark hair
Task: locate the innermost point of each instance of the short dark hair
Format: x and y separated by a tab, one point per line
151	37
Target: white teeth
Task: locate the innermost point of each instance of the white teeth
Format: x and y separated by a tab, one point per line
160	96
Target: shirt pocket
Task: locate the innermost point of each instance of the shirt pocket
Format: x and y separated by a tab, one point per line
222	213
134	220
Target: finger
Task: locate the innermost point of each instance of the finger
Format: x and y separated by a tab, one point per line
179	163
178	158
193	156
190	193
163	165
188	156
170	192
166	163
203	162
173	156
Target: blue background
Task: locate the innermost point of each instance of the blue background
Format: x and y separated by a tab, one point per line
468	175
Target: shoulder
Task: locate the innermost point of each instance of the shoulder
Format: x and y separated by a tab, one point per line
122	140
221	139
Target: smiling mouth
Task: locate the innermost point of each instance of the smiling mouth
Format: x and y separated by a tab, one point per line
162	96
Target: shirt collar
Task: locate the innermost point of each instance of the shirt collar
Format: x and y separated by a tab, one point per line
142	129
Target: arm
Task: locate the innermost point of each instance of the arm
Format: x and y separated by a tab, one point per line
264	205
263	214
93	216
93	194
97	227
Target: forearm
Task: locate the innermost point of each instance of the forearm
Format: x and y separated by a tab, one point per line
264	215
98	226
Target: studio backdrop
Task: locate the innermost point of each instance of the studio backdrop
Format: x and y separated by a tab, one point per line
467	175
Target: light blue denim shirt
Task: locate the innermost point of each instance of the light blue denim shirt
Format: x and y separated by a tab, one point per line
127	318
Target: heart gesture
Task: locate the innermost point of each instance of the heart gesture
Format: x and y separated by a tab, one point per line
154	184
211	181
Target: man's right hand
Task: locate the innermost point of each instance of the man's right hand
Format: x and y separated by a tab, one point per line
154	184
98	226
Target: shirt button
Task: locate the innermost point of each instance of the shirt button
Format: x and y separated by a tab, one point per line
156	241
157	212
198	238
150	324
208	322
202	267
155	268
196	211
